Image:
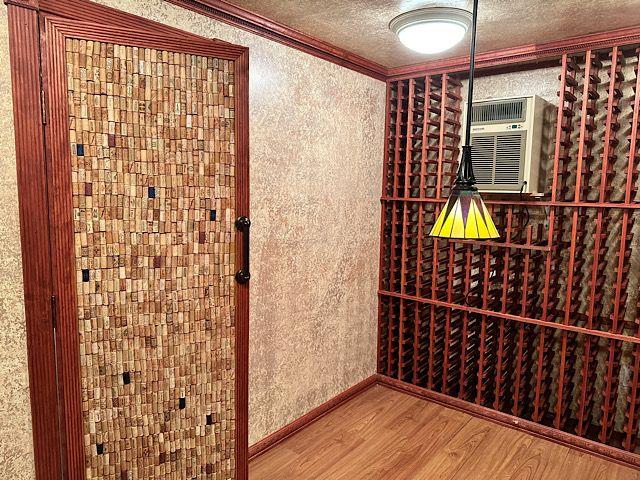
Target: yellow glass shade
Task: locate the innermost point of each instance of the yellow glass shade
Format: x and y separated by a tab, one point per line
464	216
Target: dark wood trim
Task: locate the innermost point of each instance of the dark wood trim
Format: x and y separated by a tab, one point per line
285	432
34	236
142	38
259	25
116	18
37	34
242	290
525	54
541	431
497	61
29	4
62	249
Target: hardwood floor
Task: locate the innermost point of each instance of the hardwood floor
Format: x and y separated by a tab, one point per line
384	434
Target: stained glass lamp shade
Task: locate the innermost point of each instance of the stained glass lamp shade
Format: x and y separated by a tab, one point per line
464	216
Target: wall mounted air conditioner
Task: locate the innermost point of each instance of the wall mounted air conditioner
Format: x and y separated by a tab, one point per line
506	142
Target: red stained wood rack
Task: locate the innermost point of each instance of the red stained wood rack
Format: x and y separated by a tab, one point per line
542	324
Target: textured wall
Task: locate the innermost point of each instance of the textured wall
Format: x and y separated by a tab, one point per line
16	448
316	141
542	82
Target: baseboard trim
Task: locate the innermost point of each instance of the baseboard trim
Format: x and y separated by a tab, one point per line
278	436
541	431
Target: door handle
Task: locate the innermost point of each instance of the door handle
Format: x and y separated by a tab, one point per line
244	224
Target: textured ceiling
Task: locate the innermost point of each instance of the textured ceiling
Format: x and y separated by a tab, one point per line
361	26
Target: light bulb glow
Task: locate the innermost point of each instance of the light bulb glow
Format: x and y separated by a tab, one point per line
431	30
432	37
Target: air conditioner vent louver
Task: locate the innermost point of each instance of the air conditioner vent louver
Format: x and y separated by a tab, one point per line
498	159
483	153
503	111
509	155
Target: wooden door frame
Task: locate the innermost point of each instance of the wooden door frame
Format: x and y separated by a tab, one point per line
37	30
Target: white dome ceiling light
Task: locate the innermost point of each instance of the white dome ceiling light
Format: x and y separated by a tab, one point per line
431	30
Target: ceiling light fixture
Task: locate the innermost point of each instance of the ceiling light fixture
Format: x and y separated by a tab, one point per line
431	30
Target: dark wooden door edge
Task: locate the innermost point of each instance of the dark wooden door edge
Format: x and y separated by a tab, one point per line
24	50
242	290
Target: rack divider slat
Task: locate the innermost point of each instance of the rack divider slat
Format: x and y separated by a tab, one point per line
633	407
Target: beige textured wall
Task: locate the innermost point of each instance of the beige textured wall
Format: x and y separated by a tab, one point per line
316	143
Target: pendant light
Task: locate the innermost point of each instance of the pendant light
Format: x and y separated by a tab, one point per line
465	214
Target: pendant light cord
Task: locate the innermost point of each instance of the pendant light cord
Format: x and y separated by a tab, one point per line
472	68
465	177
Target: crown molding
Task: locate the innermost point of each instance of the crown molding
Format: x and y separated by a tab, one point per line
259	25
508	59
28	4
522	55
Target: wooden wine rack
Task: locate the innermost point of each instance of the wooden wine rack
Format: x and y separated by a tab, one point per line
543	323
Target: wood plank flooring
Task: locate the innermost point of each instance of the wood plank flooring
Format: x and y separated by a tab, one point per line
384	434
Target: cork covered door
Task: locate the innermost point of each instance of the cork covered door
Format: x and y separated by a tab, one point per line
146	173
